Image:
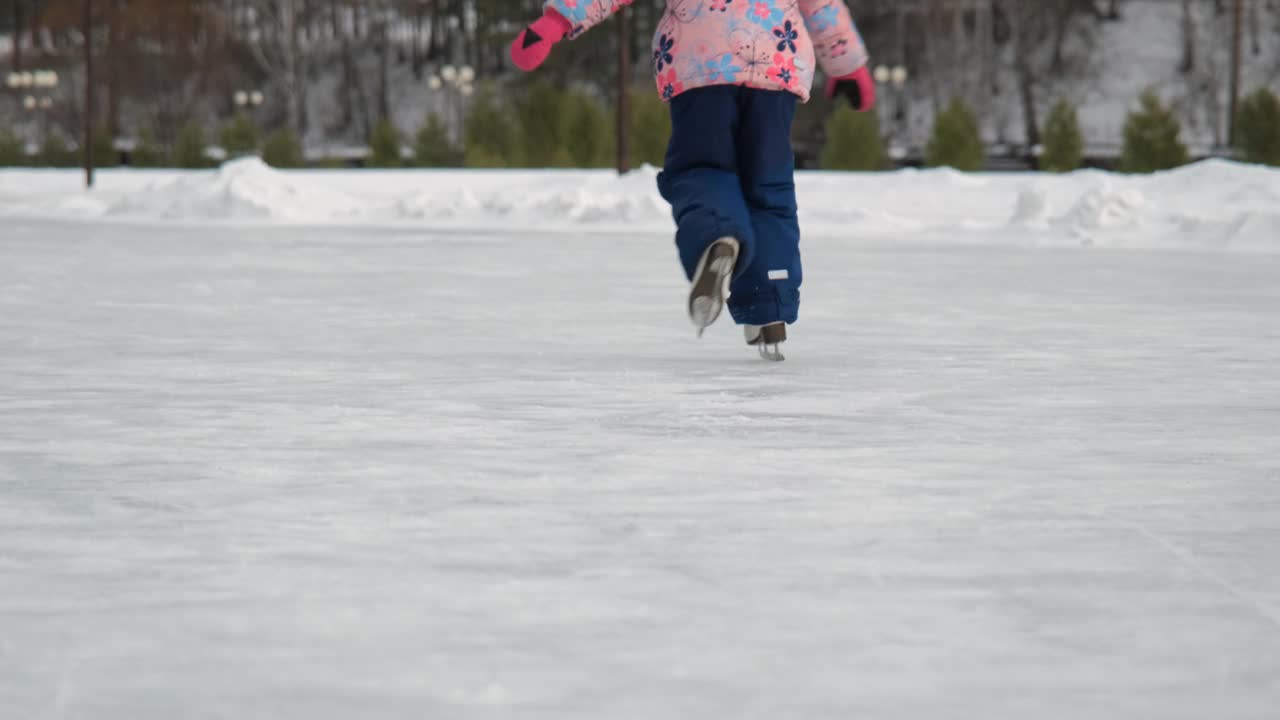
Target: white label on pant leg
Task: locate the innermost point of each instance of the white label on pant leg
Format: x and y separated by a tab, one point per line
779	275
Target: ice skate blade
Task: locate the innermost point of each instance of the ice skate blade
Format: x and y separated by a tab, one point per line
704	311
772	353
767	339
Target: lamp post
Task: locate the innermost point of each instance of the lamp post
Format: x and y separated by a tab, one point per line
37	89
459	84
248	98
895	77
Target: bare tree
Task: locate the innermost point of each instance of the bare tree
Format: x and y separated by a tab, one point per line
277	47
1041	60
18	31
1255	28
1189	30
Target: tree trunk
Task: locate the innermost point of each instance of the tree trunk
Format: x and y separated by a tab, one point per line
344	86
1022	48
434	33
930	39
1065	15
900	32
1255	38
959	47
348	84
290	82
623	111
990	51
418	64
1188	64
383	46
1237	46
359	94
1026	88
299	71
18	18
112	68
86	148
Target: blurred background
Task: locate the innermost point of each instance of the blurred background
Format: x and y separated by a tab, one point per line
975	84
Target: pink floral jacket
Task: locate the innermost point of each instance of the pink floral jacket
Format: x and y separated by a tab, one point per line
767	44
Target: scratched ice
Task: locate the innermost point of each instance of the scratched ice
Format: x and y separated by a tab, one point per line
336	473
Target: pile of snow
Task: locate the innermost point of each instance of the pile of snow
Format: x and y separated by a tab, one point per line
1105	208
1032	209
241	190
631	199
1210	204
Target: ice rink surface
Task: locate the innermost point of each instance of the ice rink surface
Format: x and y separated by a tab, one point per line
337	473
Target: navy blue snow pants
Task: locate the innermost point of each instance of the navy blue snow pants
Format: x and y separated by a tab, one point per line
729	171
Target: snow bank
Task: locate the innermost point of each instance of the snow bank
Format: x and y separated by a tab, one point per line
1211	204
608	199
1104	208
246	189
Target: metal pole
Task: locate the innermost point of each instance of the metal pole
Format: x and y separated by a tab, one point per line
1237	46
624	88
88	93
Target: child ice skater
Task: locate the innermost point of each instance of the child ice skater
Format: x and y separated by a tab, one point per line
732	71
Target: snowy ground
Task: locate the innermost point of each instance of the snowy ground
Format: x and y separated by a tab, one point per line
1023	461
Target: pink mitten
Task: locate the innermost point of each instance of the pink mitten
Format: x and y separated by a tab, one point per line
532	46
858	87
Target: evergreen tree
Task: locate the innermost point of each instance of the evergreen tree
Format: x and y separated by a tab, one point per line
147	152
1258	128
189	149
385	146
105	154
1063	143
490	134
240	137
587	133
650	127
1151	138
282	150
11	151
956	142
432	147
853	141
58	153
541	115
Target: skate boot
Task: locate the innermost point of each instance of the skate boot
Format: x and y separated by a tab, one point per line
710	286
767	338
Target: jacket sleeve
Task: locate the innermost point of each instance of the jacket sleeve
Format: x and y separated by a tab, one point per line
836	41
585	14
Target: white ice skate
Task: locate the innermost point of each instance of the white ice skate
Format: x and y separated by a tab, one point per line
710	287
767	338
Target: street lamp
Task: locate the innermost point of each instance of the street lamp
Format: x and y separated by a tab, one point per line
37	88
895	77
245	98
459	81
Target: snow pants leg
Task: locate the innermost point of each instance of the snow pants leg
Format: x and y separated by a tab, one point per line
729	171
